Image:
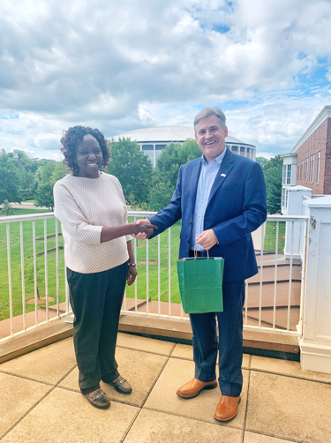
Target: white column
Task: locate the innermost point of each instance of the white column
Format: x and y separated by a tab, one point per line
316	342
294	208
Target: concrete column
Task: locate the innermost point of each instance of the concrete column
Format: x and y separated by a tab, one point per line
294	208
316	342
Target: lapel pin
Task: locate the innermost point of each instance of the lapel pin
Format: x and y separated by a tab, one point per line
223	175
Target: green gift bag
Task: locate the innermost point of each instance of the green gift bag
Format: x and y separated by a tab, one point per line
200	283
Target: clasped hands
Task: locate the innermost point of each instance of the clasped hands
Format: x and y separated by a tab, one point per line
143	229
207	239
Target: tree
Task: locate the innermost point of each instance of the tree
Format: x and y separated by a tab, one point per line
46	175
6	209
133	169
272	171
9	180
167	170
261	160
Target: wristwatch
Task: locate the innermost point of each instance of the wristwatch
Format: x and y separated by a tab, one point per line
131	265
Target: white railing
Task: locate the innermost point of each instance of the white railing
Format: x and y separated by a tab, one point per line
273	303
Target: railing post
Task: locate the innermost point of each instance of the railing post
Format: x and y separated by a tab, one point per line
294	208
315	344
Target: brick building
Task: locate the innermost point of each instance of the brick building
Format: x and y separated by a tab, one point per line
309	162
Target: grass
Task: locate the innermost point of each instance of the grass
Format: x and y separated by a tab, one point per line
270	236
169	289
28	265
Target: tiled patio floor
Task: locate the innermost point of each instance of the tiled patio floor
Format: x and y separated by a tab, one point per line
40	400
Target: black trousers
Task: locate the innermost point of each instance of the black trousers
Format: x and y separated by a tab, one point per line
230	345
96	301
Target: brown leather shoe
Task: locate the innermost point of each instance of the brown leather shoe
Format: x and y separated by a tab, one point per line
227	408
194	387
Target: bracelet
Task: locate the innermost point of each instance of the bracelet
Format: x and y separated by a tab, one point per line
131	265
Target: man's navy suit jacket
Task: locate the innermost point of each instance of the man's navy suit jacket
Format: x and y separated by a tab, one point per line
236	207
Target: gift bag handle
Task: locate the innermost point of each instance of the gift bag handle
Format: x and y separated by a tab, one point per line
195	252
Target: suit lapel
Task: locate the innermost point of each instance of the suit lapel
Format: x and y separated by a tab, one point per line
225	168
195	173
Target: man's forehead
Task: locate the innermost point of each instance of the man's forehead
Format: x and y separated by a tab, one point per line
208	121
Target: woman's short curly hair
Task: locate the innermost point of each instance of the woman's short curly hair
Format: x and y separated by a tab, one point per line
73	137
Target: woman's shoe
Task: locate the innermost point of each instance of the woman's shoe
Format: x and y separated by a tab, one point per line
99	399
122	386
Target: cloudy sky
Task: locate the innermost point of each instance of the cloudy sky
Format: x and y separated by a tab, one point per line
119	66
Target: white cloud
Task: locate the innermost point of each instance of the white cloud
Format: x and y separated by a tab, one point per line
123	66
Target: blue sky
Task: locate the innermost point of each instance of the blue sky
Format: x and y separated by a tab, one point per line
122	66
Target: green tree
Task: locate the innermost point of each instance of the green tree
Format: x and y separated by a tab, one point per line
9	180
46	175
261	160
133	169
26	168
272	171
167	170
6	209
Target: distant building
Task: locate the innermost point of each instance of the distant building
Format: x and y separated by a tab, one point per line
309	162
153	140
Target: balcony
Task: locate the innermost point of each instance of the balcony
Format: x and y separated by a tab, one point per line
41	402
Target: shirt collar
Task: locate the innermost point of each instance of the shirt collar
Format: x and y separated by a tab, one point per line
217	159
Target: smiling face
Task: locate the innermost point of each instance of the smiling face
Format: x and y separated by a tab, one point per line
89	157
211	137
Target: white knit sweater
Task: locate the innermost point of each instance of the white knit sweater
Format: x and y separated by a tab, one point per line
84	206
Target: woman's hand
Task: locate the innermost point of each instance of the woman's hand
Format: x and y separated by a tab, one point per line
143	229
142	235
132	273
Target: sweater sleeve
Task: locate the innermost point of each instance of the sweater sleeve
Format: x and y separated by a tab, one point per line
72	217
125	216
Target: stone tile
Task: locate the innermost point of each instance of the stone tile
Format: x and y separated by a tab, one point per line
289	408
49	364
18	396
283	367
145	344
151	426
176	373
139	368
65	416
183	351
250	437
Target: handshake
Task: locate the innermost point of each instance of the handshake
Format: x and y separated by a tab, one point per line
143	229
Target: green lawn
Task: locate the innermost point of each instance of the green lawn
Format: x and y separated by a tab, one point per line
51	264
270	236
28	264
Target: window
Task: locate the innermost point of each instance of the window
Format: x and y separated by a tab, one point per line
301	172
284	174
305	170
234	149
160	147
298	173
242	149
147	147
284	197
318	167
288	177
311	173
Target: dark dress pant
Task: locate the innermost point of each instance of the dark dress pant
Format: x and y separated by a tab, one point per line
96	301
230	345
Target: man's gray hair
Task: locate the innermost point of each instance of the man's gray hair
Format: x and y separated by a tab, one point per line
206	112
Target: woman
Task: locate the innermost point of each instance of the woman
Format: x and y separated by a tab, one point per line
99	257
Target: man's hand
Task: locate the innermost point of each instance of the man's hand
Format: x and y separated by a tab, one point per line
207	239
141	236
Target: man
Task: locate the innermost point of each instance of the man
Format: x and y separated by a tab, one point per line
221	199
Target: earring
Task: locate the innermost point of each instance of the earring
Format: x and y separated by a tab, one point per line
76	170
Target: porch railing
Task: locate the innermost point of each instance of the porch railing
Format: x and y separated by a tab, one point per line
33	288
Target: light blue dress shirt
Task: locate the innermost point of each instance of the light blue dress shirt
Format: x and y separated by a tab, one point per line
207	176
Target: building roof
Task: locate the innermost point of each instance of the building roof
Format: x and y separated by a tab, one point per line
322	116
167	134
